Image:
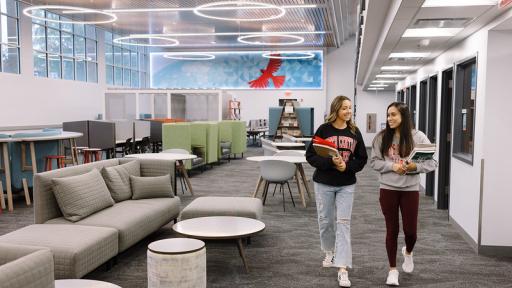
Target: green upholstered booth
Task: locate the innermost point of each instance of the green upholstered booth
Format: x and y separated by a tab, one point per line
177	136
225	138
239	136
205	136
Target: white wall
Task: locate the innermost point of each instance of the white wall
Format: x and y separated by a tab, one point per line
465	178
496	208
340	70
372	102
28	100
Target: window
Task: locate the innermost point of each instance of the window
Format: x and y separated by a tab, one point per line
9	37
464	111
64	50
126	65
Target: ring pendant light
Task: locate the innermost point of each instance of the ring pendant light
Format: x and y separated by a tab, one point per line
301	55
221	6
298	39
69	10
194	56
123	40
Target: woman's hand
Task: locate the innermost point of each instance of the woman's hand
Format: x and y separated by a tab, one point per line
410	167
399	168
339	164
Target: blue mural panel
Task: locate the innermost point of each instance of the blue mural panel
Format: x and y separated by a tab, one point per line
237	70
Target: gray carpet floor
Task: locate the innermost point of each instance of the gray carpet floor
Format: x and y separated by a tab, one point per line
287	253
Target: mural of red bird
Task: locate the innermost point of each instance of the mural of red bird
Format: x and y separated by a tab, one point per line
268	73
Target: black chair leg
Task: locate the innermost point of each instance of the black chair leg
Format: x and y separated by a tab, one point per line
290	193
273	194
281	188
265	191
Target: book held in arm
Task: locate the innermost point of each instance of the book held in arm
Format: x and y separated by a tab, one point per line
324	148
422	152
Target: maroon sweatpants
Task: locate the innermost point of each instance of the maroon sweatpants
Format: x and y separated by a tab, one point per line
390	202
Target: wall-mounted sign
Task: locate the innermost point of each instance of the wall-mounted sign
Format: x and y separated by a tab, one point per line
504	3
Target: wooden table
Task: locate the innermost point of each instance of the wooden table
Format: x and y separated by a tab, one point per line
71	136
287	145
83	283
177	157
299	174
221	227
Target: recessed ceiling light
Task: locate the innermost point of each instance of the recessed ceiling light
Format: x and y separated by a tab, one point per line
391	76
298	39
397	68
195	56
293	55
199	10
375	88
454	3
384	81
431	32
125	40
409	55
69	10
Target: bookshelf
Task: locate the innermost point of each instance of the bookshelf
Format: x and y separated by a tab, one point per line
288	122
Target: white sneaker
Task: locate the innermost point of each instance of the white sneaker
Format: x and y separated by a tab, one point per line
408	265
343	279
328	260
392	278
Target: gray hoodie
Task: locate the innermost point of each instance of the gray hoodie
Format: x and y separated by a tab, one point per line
384	165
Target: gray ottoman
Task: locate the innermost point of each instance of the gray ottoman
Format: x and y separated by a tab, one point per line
223	206
77	250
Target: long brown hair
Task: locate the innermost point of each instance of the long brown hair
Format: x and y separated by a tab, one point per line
335	107
406	143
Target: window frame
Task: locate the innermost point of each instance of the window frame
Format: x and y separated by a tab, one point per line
10	45
458	97
75	30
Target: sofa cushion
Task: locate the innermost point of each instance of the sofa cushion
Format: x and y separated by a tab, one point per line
117	179
82	195
134	219
151	187
77	250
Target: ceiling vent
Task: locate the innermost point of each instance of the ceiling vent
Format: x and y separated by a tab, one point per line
442	23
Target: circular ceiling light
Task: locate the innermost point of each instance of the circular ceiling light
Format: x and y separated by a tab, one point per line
298	39
279	55
69	10
221	6
189	56
123	40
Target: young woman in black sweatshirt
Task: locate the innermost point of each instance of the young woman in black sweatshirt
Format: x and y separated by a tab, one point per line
334	181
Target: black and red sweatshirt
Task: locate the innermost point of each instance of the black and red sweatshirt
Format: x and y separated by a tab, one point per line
351	148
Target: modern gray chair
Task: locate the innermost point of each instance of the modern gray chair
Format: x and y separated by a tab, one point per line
277	172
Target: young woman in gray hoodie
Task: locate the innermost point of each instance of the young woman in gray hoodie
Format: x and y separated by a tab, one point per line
399	182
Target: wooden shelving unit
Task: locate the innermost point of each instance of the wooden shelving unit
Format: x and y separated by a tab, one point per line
288	122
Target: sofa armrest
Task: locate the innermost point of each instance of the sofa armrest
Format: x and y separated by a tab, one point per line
26	267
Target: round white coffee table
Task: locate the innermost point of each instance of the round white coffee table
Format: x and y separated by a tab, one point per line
221	227
177	262
83	283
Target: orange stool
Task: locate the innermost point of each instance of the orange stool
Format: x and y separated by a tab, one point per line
90	152
49	159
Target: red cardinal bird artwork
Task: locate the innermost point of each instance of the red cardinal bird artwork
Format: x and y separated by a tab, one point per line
268	74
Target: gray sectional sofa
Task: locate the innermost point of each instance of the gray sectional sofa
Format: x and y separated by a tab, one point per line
81	246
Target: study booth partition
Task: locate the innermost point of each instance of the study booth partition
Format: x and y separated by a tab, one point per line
305	117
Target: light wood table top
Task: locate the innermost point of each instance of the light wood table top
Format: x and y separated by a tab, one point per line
162	156
83	283
219	227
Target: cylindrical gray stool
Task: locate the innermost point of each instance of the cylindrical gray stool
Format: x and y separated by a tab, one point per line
177	262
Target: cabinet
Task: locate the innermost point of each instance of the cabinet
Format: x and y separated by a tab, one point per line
288	122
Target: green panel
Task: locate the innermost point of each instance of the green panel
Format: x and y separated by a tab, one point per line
239	133
177	135
206	135
225	134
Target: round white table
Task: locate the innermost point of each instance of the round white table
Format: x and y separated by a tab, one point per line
299	174
177	262
221	227
177	157
83	283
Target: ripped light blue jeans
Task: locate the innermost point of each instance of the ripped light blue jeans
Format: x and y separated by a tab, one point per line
334	208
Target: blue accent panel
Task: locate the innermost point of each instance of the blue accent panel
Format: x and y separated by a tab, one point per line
274	115
36	134
234	70
306	116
